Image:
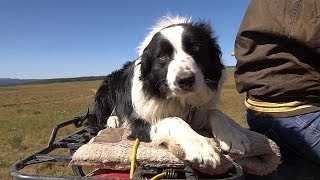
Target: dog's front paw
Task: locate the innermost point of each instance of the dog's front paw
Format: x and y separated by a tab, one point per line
201	153
113	122
234	141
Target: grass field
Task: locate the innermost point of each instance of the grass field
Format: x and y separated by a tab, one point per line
29	112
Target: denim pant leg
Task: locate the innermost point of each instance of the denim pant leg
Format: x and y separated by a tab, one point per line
299	140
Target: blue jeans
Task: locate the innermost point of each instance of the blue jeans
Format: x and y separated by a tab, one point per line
298	138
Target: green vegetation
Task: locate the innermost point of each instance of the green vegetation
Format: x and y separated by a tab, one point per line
29	112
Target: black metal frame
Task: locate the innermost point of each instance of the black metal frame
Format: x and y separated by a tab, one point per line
71	142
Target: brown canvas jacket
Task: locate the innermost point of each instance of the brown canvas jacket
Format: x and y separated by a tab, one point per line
278	57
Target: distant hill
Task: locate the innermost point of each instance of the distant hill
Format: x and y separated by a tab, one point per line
57	80
11	82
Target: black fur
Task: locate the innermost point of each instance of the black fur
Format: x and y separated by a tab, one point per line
115	91
209	57
154	70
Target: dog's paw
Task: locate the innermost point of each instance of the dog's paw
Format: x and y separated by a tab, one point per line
200	152
234	141
113	122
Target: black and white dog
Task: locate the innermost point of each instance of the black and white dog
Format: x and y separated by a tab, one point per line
171	91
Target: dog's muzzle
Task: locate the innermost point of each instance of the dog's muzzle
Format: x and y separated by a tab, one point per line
186	83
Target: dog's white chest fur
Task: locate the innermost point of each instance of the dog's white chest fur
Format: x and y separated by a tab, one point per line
153	110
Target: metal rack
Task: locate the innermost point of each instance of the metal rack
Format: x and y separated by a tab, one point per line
71	143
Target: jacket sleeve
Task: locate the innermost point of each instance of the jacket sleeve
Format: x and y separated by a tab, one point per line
295	19
278	49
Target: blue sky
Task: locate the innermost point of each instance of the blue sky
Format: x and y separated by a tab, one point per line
72	38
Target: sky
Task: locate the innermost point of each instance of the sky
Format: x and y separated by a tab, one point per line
41	39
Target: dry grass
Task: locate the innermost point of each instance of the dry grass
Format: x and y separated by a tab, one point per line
232	103
29	112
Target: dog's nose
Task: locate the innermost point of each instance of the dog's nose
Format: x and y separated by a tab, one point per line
186	83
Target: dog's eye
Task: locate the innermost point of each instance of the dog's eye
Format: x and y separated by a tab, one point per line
195	48
164	57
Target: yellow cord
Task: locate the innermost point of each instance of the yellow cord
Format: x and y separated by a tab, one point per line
134	161
134	157
158	176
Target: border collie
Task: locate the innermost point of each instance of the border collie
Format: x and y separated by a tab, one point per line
171	91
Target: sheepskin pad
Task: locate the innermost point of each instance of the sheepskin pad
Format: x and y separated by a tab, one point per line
111	149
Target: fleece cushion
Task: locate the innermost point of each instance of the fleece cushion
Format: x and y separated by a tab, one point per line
111	149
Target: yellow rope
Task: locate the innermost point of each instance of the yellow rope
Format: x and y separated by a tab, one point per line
158	176
134	157
134	161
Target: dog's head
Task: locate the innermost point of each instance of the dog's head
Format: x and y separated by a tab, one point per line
179	57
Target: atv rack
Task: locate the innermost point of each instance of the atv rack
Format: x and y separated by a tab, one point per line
72	143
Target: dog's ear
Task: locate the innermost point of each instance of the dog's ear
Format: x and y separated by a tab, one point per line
216	65
214	48
216	60
215	52
204	25
146	64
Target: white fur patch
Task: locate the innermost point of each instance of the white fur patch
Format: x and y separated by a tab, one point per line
197	149
228	133
182	65
162	23
174	35
169	117
154	110
113	122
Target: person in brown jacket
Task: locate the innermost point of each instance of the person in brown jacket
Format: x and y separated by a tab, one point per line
278	66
